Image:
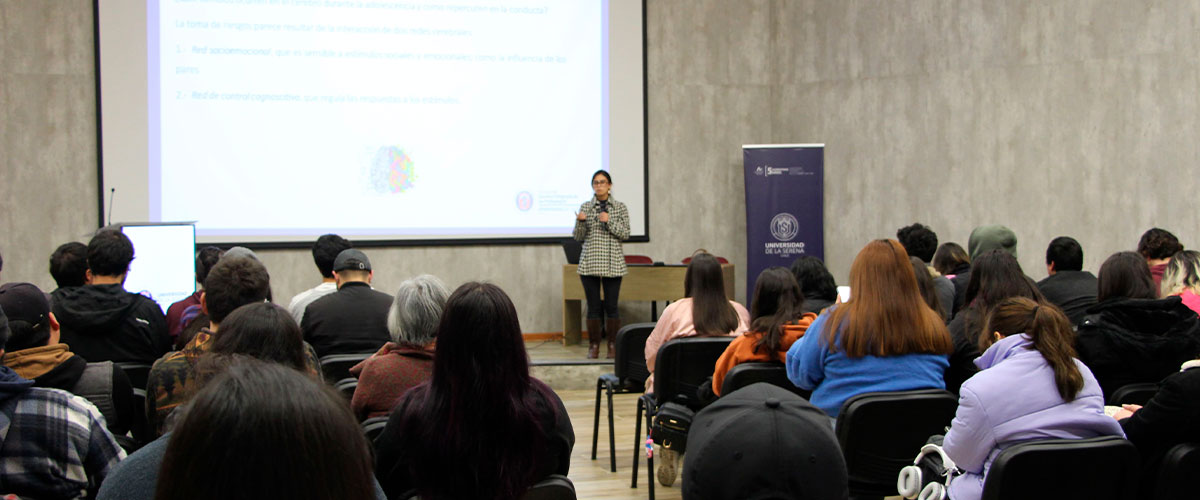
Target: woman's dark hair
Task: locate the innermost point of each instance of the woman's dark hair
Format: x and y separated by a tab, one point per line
996	275
480	409
712	315
777	301
206	258
948	257
601	172
1125	275
1158	244
68	264
326	249
814	278
264	331
1050	331
925	285
261	430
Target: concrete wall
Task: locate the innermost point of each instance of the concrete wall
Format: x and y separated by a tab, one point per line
1069	117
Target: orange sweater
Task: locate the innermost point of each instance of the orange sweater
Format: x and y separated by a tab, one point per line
741	350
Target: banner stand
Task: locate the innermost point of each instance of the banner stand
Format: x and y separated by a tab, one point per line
785	205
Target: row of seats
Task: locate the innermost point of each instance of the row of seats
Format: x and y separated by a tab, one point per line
879	433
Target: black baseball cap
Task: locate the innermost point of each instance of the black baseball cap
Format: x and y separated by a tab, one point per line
351	259
760	442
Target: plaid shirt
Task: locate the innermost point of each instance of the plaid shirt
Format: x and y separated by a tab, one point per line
55	447
602	255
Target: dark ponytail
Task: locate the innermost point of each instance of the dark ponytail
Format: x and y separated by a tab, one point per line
1050	331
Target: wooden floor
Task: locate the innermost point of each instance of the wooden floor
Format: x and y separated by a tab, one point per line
592	477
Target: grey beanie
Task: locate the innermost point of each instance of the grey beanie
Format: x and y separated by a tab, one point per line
993	237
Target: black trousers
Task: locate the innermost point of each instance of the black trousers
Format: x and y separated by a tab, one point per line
596	308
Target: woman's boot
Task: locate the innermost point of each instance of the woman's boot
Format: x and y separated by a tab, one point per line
611	326
595	329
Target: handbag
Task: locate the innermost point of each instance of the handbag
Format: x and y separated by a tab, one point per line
671	425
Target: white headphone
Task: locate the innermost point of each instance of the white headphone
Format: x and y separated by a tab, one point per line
909	482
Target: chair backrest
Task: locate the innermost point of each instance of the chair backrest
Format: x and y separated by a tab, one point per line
1133	394
683	365
137	373
1094	468
1177	476
745	374
347	386
638	259
336	367
881	432
373	427
554	487
629	363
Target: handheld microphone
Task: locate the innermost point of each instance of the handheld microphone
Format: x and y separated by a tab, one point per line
111	195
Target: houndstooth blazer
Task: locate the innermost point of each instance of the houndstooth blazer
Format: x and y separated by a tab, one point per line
602	255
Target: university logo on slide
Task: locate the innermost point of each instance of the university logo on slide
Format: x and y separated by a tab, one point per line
524	201
784	226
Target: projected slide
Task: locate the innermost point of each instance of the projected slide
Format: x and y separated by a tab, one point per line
277	120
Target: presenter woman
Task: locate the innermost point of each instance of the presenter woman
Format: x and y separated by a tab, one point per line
601	224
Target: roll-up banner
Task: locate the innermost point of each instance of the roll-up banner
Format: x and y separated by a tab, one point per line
785	205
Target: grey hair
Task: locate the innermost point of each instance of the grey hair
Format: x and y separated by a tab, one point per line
1182	273
417	309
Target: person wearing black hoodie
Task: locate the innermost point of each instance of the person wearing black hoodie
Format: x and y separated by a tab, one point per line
1131	336
34	352
103	322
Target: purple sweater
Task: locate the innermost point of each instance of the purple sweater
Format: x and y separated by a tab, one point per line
1013	399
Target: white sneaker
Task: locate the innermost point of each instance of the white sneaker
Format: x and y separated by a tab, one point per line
666	466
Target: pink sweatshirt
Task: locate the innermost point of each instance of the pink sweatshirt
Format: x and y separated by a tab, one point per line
675	322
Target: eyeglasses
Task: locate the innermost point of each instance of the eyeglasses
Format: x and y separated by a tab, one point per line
600	182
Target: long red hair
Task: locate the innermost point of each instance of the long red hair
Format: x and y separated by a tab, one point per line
885	315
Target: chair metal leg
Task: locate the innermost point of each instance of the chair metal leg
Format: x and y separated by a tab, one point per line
637	442
596	420
650	460
612	439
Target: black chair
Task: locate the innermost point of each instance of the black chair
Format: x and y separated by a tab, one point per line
1094	468
137	373
373	427
682	366
554	487
880	432
1177	478
1133	394
336	367
346	386
745	374
630	374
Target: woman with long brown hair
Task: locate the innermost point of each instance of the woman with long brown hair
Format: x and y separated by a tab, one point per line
1030	386
885	338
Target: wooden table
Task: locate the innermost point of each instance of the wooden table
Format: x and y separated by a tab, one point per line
644	282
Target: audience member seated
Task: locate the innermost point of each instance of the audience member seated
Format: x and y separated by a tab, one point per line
406	361
1168	419
254	430
1030	386
921	243
1068	286
995	276
951	260
263	330
55	445
205	259
34	352
777	322
103	322
482	427
1157	246
324	251
885	338
354	318
1182	278
926	286
704	311
983	239
68	265
1131	336
762	441
820	289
